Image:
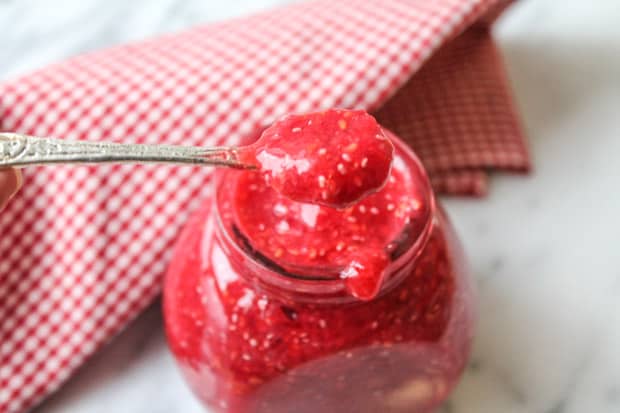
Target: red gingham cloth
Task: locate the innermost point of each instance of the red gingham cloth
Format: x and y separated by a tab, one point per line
83	249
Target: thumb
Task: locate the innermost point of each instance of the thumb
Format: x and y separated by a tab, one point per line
10	182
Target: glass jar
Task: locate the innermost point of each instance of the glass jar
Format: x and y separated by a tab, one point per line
253	336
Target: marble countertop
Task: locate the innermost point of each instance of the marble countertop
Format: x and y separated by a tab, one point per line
544	248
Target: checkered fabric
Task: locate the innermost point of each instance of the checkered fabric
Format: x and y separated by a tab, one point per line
83	249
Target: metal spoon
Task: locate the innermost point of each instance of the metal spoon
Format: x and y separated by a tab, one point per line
17	150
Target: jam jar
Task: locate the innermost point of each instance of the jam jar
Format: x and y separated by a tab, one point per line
260	316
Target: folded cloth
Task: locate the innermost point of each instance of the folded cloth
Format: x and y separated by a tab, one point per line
83	249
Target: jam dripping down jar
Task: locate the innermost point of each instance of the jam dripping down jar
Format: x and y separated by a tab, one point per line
255	332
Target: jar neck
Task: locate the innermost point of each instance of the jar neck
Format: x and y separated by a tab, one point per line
318	284
317	287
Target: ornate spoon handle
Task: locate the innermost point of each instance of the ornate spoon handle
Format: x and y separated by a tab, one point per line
18	150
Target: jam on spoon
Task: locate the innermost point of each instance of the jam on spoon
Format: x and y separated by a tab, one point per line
333	158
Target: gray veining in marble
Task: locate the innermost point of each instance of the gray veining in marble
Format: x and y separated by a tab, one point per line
544	248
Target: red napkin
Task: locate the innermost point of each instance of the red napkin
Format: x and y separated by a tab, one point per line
83	249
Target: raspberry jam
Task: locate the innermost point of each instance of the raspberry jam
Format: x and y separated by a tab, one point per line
274	306
333	158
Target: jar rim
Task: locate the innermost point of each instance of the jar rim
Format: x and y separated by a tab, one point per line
325	279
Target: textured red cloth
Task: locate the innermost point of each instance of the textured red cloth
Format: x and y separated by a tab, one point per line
83	249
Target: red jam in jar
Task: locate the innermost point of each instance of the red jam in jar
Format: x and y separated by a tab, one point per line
276	306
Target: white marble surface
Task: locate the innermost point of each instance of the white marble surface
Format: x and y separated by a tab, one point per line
545	248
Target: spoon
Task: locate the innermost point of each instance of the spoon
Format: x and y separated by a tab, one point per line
17	150
333	158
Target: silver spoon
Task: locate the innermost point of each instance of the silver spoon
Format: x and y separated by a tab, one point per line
17	150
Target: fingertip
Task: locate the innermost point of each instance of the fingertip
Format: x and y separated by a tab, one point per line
11	181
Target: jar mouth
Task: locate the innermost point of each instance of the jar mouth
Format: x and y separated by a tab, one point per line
404	247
